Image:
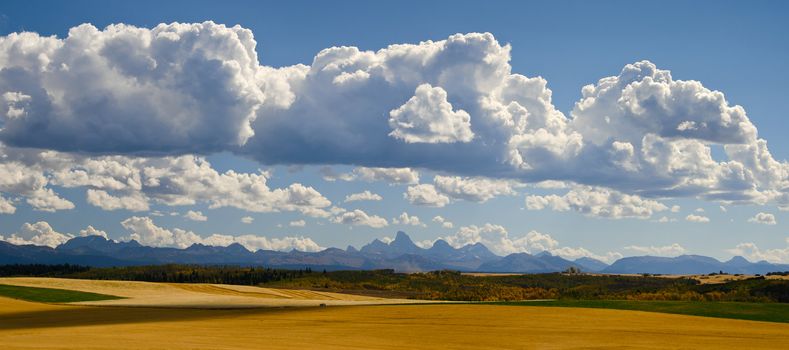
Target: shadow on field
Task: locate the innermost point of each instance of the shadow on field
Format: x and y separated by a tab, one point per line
94	316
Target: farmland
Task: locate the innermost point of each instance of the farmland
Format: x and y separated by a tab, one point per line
181	316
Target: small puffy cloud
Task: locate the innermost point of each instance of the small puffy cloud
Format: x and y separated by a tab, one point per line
297	223
752	252
699	210
363	196
389	175
6	206
195	216
697	218
763	218
39	233
428	118
247	220
599	202
665	219
405	219
426	195
360	218
91	231
669	250
443	221
675	208
473	189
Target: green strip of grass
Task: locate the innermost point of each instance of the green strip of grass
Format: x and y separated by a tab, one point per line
770	312
50	295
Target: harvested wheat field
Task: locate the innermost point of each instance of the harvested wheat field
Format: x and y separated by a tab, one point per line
202	296
61	326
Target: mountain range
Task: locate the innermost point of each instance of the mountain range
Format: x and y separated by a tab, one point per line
401	254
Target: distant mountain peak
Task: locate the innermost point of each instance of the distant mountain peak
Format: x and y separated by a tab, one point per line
440	243
738	261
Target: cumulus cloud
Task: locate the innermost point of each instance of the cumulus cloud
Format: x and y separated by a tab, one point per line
39	233
426	195
428	117
91	231
453	106
175	88
6	206
596	201
146	232
443	221
697	218
133	202
195	216
752	252
124	183
360	218
363	196
669	250
405	219
763	218
247	220
473	189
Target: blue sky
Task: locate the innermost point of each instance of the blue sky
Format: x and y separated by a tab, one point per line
736	48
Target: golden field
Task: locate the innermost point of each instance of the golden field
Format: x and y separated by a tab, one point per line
26	325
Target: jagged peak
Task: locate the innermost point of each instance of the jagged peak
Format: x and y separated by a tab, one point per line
402	237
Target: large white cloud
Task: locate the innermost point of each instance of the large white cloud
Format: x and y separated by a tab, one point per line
174	88
39	233
198	88
19	179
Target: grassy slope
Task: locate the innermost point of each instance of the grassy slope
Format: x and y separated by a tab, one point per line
771	312
49	295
